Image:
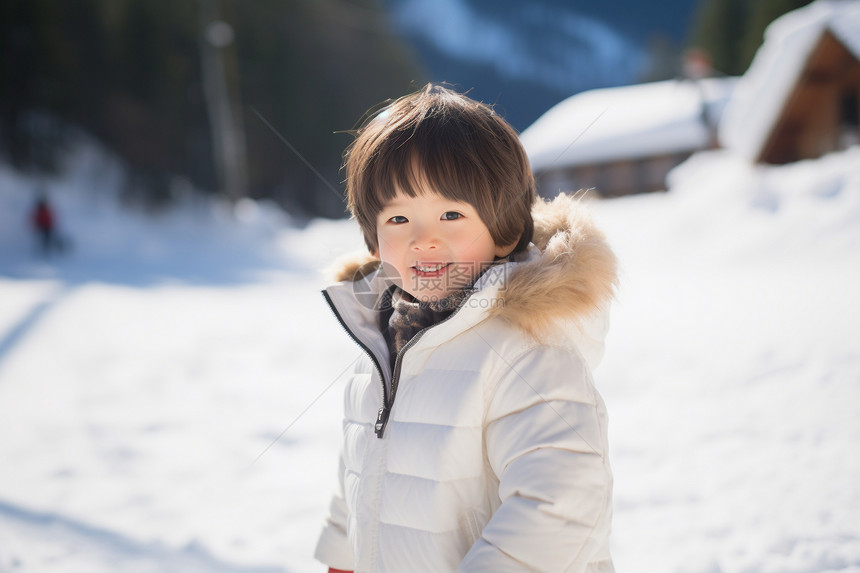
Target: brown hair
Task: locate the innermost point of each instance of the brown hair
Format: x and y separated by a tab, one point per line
457	146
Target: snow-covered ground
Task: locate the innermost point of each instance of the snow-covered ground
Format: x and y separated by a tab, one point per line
170	391
733	369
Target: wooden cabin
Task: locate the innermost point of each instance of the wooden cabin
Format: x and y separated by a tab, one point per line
625	140
800	98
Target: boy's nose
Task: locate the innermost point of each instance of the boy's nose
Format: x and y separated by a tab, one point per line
424	241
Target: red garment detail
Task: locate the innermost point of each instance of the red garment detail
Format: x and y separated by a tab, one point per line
43	218
333	570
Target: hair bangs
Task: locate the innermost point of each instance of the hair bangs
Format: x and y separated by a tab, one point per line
431	167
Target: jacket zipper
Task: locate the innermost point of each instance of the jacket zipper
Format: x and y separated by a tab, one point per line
387	402
382	418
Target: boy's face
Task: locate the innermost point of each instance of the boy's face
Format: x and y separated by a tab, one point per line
436	245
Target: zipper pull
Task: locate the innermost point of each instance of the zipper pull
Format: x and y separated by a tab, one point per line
381	420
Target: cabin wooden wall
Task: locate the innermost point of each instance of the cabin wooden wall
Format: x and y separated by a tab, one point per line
820	115
611	179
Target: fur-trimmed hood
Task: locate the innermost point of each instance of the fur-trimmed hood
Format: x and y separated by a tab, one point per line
568	275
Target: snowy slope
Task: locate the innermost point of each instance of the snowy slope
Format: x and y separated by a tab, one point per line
733	367
185	417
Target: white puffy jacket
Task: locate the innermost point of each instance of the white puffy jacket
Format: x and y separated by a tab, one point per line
493	454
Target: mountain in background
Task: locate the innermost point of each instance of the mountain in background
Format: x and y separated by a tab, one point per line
527	56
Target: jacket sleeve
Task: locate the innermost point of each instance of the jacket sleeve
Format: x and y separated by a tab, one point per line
545	436
333	547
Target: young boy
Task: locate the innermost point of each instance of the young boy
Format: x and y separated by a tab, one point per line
474	439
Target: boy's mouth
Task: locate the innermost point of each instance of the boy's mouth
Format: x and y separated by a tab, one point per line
430	269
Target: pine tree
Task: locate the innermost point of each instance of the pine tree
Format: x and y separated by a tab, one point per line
129	72
732	30
762	13
719	29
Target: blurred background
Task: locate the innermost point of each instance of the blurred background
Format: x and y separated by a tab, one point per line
171	199
204	93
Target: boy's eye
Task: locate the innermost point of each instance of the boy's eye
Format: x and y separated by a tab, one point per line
451	215
398	219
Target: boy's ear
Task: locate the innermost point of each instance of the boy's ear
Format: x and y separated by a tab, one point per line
504	250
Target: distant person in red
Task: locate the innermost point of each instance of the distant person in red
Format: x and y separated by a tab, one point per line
44	222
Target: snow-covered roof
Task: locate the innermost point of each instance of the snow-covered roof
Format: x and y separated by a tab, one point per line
762	92
625	123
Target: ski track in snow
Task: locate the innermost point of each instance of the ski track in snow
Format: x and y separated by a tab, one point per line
155	422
